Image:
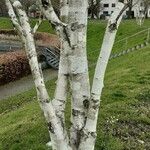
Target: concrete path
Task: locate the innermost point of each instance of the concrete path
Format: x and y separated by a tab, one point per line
24	84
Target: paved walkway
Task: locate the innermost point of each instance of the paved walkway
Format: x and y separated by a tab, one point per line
24	84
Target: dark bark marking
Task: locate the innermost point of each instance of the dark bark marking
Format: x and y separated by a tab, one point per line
45	4
86	103
113	26
67	36
75	26
77	113
50	127
95	103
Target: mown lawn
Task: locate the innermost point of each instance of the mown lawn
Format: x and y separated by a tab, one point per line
124	118
5	23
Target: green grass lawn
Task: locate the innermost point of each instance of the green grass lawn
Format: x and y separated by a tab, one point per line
5	23
124	118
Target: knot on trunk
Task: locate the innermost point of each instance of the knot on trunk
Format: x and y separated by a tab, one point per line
86	103
50	127
86	134
113	26
76	26
45	4
77	113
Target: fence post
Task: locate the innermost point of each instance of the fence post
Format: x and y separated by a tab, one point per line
126	46
148	34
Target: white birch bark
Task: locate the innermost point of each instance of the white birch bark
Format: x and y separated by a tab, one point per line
78	68
61	91
47	9
61	88
54	125
62	82
72	29
73	38
89	131
64	10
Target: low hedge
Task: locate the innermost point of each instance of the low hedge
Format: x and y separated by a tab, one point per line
13	65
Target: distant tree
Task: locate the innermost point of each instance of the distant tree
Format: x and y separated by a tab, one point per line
130	9
131	3
95	7
146	5
27	4
3	9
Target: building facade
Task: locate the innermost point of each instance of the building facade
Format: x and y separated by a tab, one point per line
108	7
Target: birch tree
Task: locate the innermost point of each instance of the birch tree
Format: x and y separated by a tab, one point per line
73	73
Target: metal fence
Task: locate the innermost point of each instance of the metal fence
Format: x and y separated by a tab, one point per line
129	42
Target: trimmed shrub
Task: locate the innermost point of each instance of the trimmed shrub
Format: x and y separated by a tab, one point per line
13	65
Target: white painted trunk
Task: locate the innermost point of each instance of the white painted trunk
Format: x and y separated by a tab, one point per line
89	132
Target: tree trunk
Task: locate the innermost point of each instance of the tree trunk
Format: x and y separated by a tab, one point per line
78	68
54	126
73	69
89	131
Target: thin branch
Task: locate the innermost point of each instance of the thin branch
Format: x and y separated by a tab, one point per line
89	131
62	82
136	3
48	10
14	19
114	25
37	25
64	10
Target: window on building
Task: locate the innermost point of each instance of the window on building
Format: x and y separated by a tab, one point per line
113	5
106	5
105	13
141	4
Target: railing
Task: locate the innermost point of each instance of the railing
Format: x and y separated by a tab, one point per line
128	42
131	41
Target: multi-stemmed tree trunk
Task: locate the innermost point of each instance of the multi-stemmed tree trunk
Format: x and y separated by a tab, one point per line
22	25
71	27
